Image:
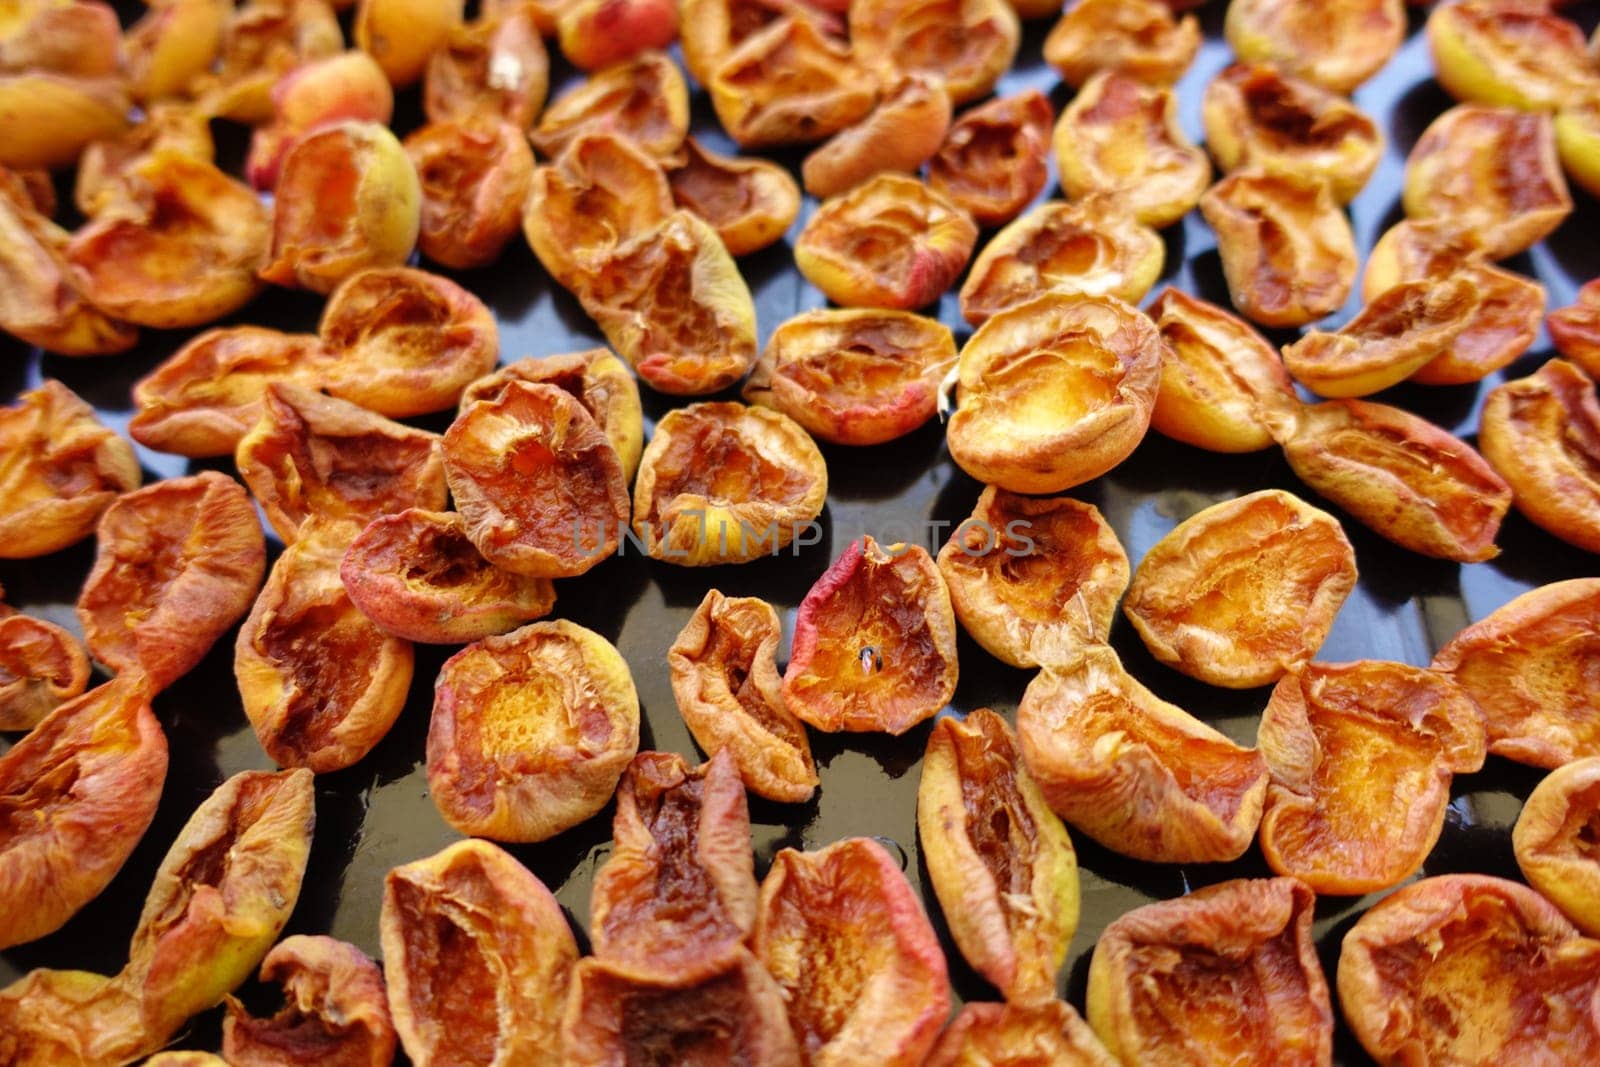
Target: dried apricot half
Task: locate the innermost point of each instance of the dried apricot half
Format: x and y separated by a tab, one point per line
886	991
595	33
1466	968
334	1010
262	41
1000	861
348	86
1542	433
475	173
968	43
102	177
1031	577
42	666
994	159
1140	38
1515	55
643	100
749	202
1013	1035
725	680
902	132
1337	45
1054	392
531	731
1226	974
898	666
1244	591
1576	329
1527	666
402	34
496	65
790	82
1555	837
1362	755
1141	776
854	376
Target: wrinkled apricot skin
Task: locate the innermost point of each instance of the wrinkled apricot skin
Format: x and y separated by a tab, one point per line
726	684
1030	578
736	1016
1095	246
1220	379
403	342
348	198
334	1012
62	469
1362	755
902	133
41	667
1336	45
1000	861
677	896
510	459
1054	392
208	394
475	174
1542	433
417	576
103	181
531	731
1244	591
968	43
77	794
1234	962
1465	968
262	41
1140	38
644	100
726	483
790	83
320	683
478	957
750	202
313	459
52	117
347	87
1139	775
402	34
898	666
1576	329
1121	137
1415	484
1554	841
887	992
712	29
597	33
1259	116
1010	1035
854	376
600	382
1526	666
993	161
1510	55
176	564
1287	250
175	42
1494	172
495	66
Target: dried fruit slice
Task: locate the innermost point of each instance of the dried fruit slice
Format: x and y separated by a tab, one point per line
1010	1035
994	159
1137	774
478	957
207	395
1404	477
643	100
1491	171
1576	329
1000	861
750	202
1515	55
886	992
1220	379
1362	755
320	683
1287	250
475	173
402	34
262	41
1121	136
721	482
677	896
1554	840
1542	433
103	169
1094	246
1242	591
1465	968
898	666
1031	578
76	795
1055	392
495	65
334	1010
854	376
1140	38
727	687
712	29
530	731
733	1017
903	131
313	459
1258	116
41	667
968	43
61	469
176	564
1526	666
536	481
55	116
172	44
1228	973
1337	45
349	86
890	242
790	83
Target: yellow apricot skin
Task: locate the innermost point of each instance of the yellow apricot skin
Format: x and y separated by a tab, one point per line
1510	55
174	43
50	118
1577	131
1337	44
901	134
402	34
